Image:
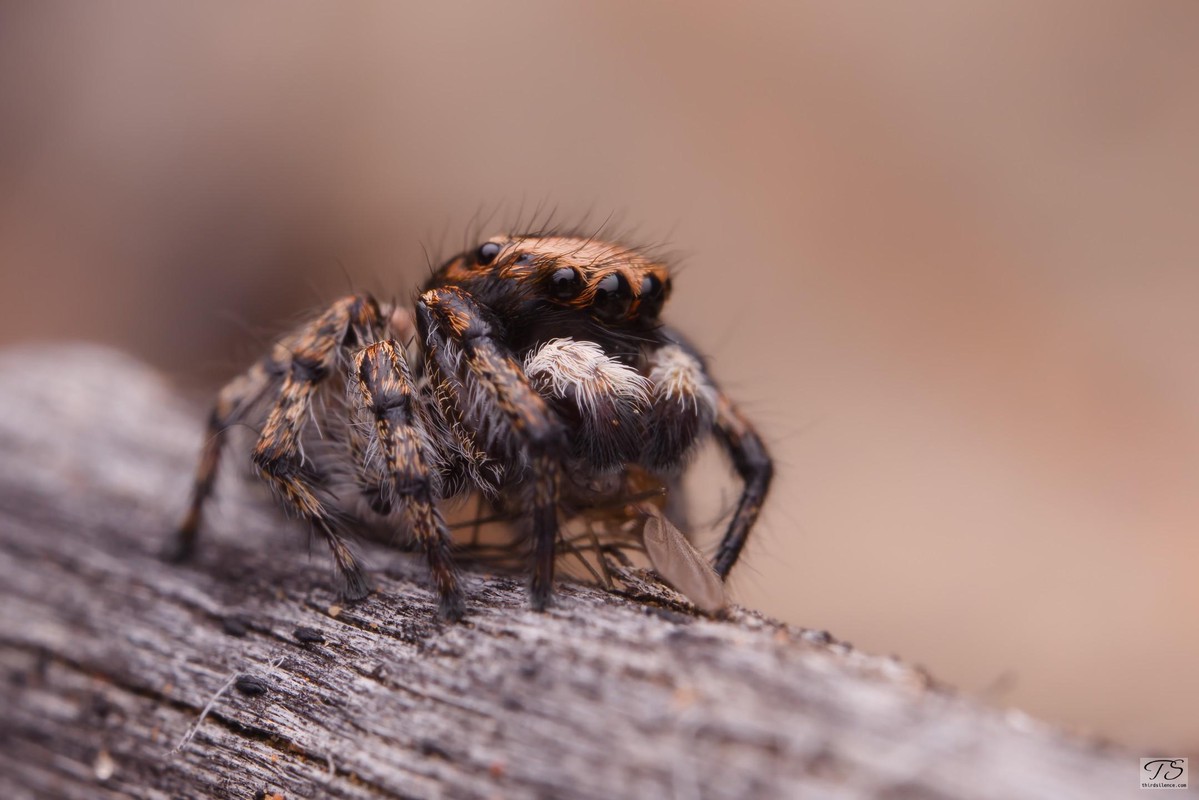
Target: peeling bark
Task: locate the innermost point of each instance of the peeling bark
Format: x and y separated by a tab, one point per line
124	676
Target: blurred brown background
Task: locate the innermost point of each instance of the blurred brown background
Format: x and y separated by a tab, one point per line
945	254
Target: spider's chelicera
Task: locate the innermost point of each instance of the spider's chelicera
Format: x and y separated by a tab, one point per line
537	372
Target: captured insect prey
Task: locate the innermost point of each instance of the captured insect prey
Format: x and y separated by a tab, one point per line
680	564
534	372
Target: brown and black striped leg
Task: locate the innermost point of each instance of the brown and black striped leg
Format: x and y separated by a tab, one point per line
317	352
233	401
498	404
384	388
753	464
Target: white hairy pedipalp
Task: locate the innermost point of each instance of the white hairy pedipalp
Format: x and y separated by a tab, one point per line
677	375
565	368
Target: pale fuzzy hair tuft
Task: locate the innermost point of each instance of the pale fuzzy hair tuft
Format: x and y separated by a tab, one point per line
564	366
677	375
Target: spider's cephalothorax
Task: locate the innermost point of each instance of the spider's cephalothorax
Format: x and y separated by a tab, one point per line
537	373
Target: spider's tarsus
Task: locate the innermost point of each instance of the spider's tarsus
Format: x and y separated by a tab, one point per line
179	547
451	608
541	596
354	585
541	587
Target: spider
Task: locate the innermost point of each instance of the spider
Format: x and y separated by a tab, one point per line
535	371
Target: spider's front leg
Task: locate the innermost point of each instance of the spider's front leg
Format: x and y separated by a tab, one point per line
494	398
685	403
748	453
317	351
383	387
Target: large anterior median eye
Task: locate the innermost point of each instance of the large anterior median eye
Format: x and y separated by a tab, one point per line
612	297
487	252
565	283
652	295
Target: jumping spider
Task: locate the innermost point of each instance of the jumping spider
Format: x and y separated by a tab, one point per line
536	373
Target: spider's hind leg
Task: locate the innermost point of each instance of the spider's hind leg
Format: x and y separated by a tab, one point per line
383	387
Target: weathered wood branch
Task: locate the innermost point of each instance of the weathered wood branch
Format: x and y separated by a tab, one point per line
113	658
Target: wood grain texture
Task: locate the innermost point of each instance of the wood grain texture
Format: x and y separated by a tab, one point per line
110	655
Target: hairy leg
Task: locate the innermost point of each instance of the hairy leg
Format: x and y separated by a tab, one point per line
753	464
317	352
496	401
233	401
383	385
685	404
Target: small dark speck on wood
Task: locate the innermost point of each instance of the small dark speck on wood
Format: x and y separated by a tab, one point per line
306	635
234	626
251	685
603	696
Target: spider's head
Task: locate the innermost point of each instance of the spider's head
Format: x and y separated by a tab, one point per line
612	284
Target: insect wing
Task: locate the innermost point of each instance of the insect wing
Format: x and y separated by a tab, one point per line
681	565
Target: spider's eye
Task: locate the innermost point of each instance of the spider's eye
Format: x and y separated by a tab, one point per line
565	283
653	294
487	252
612	297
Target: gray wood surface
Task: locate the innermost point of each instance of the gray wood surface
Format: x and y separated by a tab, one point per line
125	676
